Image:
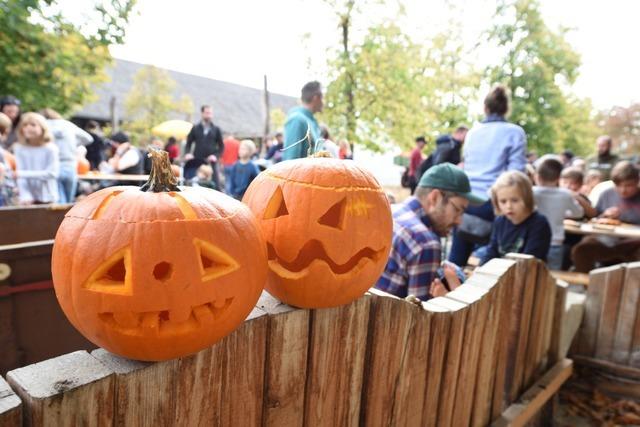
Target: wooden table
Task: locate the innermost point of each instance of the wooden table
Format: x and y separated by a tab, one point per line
112	177
595	229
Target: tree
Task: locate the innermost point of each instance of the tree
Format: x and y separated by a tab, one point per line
623	125
539	67
277	117
150	102
47	61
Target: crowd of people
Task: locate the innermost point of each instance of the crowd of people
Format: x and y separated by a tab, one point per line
42	154
479	185
483	188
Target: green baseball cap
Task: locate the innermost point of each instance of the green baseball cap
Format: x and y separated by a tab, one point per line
448	177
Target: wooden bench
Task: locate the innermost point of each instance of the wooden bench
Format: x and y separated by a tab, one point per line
608	343
490	351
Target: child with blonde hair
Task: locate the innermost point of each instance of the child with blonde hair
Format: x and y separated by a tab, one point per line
204	177
37	162
518	227
244	170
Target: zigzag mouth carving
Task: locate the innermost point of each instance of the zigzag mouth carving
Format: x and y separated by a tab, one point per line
161	323
314	250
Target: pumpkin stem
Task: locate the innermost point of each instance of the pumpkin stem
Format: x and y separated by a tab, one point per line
321	154
161	178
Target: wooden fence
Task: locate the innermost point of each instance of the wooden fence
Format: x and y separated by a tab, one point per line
459	360
609	338
32	325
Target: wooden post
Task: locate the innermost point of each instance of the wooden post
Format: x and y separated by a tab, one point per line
10	406
144	392
338	339
558	323
113	112
70	390
613	281
286	364
441	320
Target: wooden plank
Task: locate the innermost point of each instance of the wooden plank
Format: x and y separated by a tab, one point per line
26	262
611	368
478	302
70	390
549	325
390	322
286	363
30	223
518	299
613	281
336	362
624	347
558	322
572	277
633	274
595	295
415	371
536	396
199	388
144	392
448	390
243	372
488	358
505	355
440	327
534	340
10	406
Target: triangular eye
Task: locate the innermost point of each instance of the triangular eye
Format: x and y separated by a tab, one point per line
334	217
214	262
276	206
113	275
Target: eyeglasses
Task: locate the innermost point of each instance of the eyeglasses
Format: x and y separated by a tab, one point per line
459	210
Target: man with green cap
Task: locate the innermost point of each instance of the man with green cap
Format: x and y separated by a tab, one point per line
440	199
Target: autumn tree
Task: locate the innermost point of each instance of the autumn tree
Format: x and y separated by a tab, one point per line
623	125
151	101
47	61
539	66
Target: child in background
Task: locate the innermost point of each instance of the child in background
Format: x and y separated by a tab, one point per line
244	170
572	179
591	179
555	204
518	228
37	162
204	177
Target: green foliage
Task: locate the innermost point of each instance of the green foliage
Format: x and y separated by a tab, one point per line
539	67
388	89
277	118
47	61
150	102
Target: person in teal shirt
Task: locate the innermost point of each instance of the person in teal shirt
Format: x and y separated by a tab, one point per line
301	121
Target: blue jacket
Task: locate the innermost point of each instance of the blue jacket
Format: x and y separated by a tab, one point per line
299	120
492	147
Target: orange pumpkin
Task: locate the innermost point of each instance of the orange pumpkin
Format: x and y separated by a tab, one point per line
327	223
153	275
83	166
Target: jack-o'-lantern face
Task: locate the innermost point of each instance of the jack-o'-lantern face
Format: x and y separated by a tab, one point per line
153	276
327	224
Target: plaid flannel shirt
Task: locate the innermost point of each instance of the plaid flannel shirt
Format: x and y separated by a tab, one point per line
415	253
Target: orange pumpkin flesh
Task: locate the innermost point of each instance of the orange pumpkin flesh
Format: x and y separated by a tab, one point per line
327	224
158	275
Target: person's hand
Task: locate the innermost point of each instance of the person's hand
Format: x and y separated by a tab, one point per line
188	156
450	273
438	289
212	158
612	212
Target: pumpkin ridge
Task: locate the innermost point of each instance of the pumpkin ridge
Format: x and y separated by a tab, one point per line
322	187
154	220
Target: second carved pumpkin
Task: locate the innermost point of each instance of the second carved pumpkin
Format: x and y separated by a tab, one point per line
328	226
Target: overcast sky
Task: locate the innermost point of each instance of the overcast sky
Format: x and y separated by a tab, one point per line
240	41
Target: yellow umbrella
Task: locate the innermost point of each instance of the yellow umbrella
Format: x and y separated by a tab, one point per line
177	128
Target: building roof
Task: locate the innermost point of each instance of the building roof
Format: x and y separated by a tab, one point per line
237	109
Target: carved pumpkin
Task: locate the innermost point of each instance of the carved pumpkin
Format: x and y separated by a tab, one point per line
153	275
328	226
